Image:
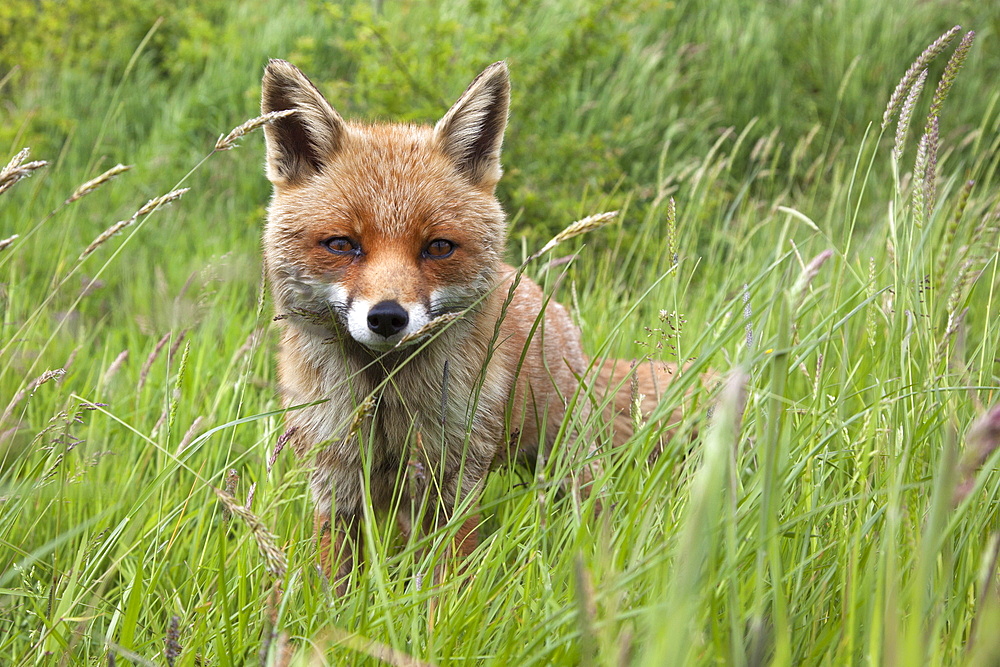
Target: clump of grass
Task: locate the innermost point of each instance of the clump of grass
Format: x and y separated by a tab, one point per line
827	482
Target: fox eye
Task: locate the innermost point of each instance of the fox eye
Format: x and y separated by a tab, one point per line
439	249
340	245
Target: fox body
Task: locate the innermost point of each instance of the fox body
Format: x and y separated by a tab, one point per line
373	233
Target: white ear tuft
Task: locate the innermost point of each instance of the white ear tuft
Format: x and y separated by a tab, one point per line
471	133
297	145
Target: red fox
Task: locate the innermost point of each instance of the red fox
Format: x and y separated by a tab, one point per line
373	233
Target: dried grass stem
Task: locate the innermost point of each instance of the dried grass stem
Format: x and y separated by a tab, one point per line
17	169
97	182
148	207
228	142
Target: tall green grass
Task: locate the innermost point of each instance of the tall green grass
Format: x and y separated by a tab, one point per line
825	499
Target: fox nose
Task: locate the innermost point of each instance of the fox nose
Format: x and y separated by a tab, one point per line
387	318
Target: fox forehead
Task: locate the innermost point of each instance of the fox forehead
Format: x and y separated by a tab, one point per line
388	181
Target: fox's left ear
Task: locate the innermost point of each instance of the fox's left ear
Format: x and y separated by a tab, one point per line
471	133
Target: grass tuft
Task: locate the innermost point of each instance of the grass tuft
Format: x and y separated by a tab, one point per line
828	495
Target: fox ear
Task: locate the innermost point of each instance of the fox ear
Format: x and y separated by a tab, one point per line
297	145
472	131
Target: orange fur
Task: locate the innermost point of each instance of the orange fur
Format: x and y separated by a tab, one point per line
373	232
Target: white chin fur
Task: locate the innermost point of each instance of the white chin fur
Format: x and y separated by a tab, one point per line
357	324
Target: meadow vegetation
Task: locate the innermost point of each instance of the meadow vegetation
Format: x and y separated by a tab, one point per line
825	240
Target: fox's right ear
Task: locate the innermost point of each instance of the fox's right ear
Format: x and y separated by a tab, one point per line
297	145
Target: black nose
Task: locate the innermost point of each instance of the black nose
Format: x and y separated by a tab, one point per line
387	318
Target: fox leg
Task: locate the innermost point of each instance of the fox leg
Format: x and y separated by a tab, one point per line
584	478
428	512
460	548
455	489
338	547
468	536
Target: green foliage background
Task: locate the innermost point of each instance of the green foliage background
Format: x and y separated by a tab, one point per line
602	86
820	530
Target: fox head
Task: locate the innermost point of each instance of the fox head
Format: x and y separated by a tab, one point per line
380	228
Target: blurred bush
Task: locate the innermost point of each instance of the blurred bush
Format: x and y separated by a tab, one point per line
611	99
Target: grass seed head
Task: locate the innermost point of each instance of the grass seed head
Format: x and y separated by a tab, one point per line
177	344
801	286
962	281
29	390
50	471
115	366
951	70
905	113
672	231
17	169
919	196
232	481
635	404
173	647
280	445
361	413
228	142
274	557
944	254
930	169
190	434
16	161
578	228
431	327
105	235
144	373
870	323
910	77
97	182
146	208
162	200
747	316
311	316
